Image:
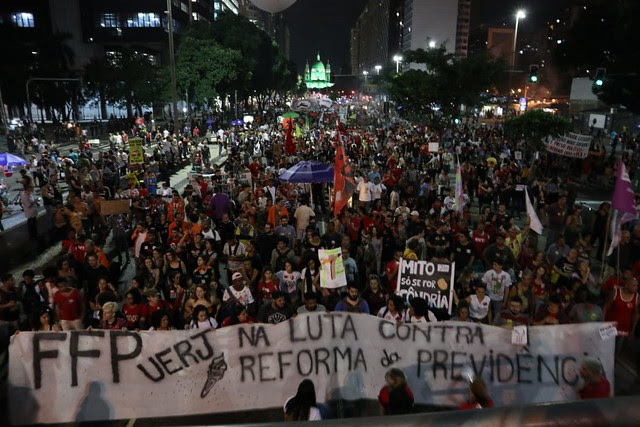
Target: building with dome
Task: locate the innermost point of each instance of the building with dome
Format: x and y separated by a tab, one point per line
318	76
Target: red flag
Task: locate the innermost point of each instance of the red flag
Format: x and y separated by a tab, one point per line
289	146
344	182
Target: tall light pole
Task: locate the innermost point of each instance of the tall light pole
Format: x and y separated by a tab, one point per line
378	68
365	73
398	60
519	15
172	66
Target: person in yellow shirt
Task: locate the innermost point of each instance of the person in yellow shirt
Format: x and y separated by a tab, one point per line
410	251
515	238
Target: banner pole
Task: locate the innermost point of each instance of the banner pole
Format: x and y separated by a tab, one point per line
604	245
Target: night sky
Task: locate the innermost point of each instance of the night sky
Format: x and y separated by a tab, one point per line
325	25
322	26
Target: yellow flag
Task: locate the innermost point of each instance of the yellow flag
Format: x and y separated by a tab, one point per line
298	131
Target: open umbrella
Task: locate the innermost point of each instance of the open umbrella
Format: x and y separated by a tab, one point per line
290	115
308	172
8	159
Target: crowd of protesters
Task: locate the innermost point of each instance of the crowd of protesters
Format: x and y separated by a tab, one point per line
240	246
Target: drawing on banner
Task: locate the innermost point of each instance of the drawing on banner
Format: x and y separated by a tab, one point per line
572	145
237	368
428	280
215	373
332	273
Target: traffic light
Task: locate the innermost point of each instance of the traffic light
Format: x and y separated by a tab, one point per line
598	81
533	74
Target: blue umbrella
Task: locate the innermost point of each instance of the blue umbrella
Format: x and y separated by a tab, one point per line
308	172
8	159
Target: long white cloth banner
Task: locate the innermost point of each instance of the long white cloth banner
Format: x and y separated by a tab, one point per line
92	375
572	145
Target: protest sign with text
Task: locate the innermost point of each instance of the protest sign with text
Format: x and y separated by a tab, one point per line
55	376
572	145
136	151
428	280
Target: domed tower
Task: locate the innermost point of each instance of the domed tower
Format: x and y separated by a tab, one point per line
307	73
328	72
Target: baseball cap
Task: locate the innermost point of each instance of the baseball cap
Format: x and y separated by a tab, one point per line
236	275
416	213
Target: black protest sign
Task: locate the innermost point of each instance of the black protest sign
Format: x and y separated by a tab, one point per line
432	281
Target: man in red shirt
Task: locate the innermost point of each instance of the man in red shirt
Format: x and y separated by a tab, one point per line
69	306
480	240
391	271
596	384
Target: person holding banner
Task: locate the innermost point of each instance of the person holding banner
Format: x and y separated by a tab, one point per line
596	385
396	397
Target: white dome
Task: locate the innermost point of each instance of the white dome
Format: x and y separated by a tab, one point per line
273	6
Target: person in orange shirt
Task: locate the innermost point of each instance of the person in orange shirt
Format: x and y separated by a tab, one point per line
175	207
181	224
276	212
90	247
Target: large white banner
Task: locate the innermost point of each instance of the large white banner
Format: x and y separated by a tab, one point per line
572	145
89	375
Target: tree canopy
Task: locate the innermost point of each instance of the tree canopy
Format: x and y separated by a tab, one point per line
534	127
435	92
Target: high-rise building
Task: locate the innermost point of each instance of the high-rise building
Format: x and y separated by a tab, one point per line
431	23
377	35
220	6
271	23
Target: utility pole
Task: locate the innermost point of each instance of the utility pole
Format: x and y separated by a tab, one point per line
3	117
172	63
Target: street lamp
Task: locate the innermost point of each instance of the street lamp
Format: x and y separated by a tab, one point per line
519	15
398	60
378	68
365	73
432	44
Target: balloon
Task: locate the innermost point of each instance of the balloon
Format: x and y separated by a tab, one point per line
273	6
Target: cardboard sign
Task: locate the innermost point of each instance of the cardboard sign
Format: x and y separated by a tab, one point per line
428	280
76	376
113	207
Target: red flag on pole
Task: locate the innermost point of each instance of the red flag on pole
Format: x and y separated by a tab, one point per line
344	182
289	145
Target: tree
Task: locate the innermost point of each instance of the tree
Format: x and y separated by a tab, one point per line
203	68
534	127
135	80
99	75
436	93
605	34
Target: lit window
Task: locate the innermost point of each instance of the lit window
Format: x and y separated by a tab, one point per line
195	16
184	7
109	20
143	20
23	19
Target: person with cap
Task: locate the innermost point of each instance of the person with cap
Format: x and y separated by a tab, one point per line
419	312
238	292
596	385
353	303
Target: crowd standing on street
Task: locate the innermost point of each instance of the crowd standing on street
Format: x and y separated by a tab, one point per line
239	246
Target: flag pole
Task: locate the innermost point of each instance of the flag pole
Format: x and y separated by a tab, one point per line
605	246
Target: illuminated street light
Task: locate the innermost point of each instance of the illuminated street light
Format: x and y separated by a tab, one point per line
519	15
398	60
378	68
432	44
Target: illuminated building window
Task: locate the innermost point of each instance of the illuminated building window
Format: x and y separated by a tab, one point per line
23	19
143	20
109	20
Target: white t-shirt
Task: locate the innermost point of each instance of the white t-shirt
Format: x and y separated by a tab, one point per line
387	315
364	191
207	324
243	296
496	284
314	413
479	309
289	281
376	191
429	318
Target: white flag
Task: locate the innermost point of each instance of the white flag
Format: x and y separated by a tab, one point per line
534	222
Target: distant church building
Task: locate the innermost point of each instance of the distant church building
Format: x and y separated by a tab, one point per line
319	76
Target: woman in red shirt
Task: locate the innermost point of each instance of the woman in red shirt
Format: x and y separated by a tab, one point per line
133	309
596	384
267	285
69	306
396	397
